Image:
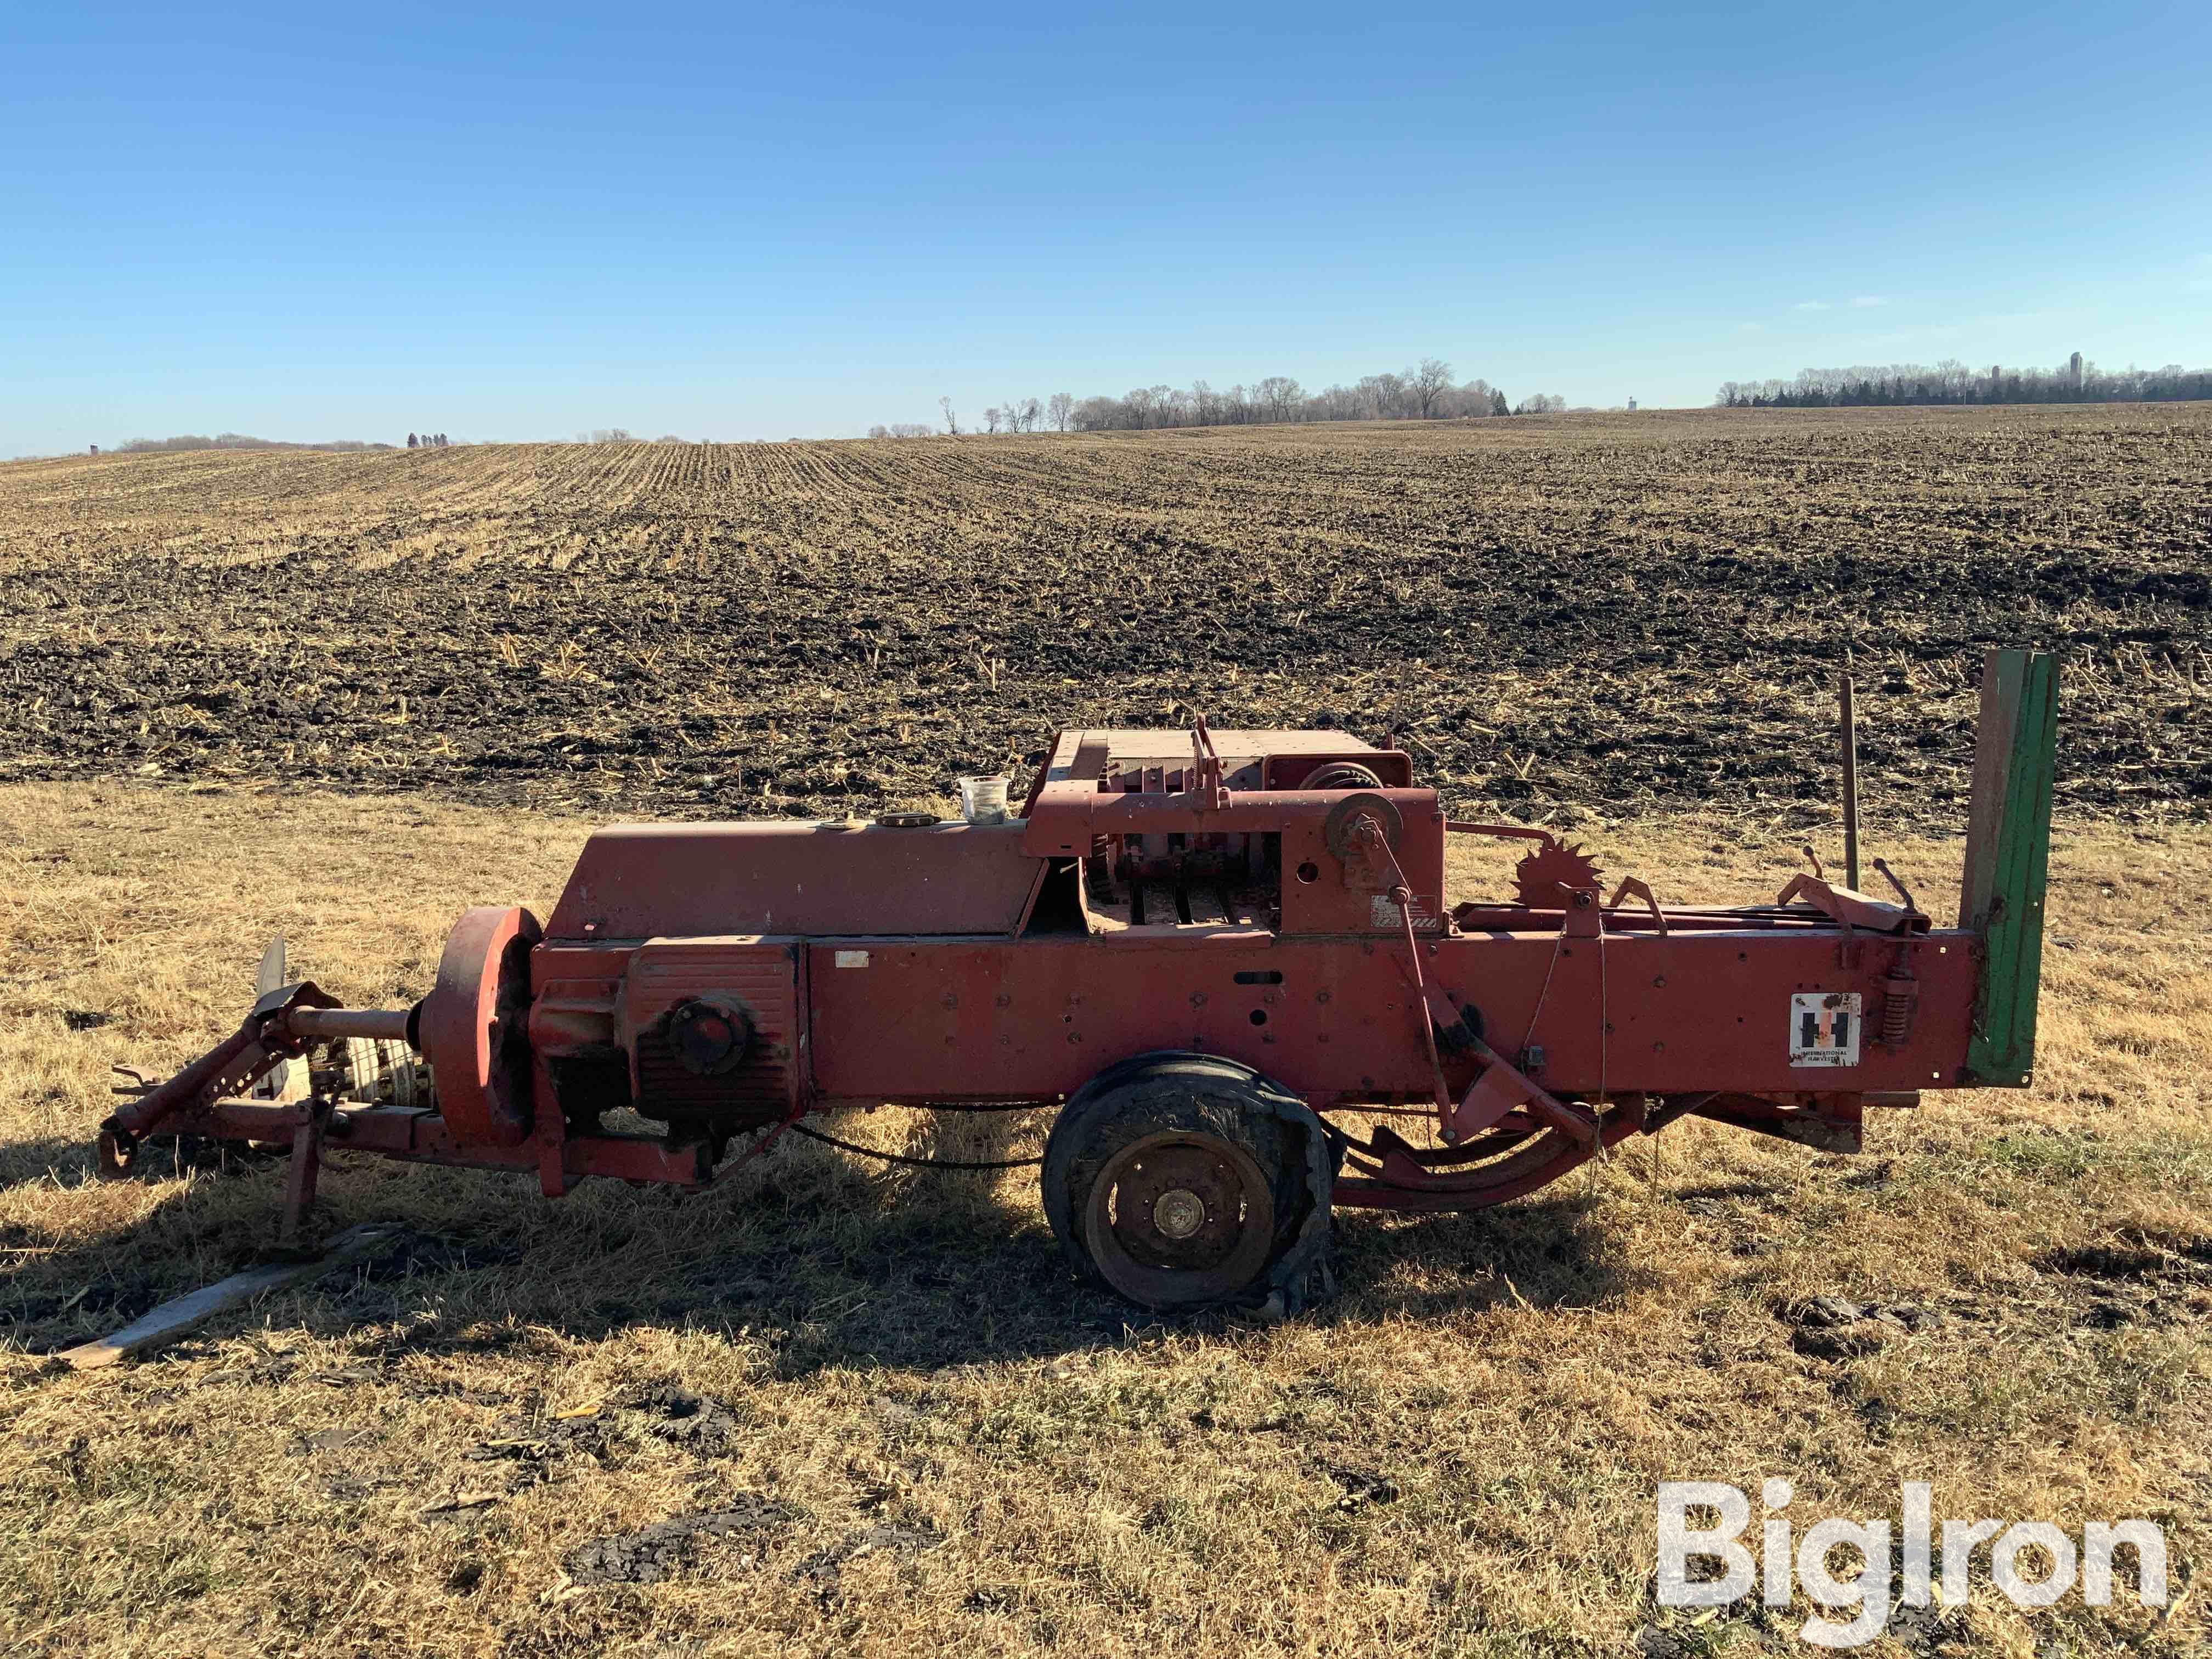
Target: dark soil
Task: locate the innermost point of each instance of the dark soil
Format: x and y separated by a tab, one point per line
1616	614
668	1547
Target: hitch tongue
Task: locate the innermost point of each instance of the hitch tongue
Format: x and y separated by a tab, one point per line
239	1062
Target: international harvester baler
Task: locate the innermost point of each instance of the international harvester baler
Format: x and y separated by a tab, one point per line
1229	959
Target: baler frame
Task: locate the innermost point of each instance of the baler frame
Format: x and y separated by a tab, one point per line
1532	1034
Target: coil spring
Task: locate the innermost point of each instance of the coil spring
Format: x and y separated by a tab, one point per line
1897	1008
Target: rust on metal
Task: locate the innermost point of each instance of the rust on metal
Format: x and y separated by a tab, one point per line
1179	1218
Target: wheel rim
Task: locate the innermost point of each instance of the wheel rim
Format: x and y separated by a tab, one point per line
1179	1218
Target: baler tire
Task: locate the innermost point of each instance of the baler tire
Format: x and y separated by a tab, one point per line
1202	1099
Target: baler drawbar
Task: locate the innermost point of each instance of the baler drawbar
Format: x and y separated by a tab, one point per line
1212	950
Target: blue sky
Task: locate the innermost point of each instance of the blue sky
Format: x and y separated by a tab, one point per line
731	224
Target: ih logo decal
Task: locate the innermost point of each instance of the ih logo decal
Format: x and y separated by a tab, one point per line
1824	1028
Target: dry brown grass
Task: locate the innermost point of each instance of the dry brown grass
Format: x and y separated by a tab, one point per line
904	1354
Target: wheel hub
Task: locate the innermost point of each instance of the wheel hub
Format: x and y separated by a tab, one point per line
1180	1218
1179	1213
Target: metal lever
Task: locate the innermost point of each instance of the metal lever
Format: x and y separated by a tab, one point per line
1890	876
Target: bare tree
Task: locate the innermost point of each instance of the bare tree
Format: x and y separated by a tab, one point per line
991	419
1427	382
951	421
1382	394
1337	402
1278	395
1426	392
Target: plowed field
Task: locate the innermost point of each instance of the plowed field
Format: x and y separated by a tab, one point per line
828	1410
1563	616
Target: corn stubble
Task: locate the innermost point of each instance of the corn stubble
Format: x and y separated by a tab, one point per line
832	1409
1558	615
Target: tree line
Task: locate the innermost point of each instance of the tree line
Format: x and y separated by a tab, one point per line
2075	381
1426	392
229	441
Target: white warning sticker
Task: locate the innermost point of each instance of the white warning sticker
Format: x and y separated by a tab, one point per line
1384	912
1824	1028
851	958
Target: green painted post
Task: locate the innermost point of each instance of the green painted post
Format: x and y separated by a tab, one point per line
2008	859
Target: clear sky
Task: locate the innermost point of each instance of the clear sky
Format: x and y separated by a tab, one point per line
728	223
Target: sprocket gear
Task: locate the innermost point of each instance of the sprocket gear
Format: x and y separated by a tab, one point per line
1538	878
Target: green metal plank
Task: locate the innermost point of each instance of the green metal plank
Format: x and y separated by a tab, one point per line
2001	1049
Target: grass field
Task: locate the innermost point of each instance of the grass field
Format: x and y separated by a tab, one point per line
917	1433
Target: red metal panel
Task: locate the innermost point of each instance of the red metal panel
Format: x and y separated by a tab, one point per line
1704	1010
764	976
1344	899
685	880
915	1020
905	1019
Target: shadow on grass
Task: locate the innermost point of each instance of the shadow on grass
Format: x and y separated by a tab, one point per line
71	1163
821	1260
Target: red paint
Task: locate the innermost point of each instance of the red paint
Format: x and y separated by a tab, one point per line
957	963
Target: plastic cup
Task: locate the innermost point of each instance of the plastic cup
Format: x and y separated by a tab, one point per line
983	800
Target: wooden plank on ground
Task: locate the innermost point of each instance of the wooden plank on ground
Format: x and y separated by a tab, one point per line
173	1319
